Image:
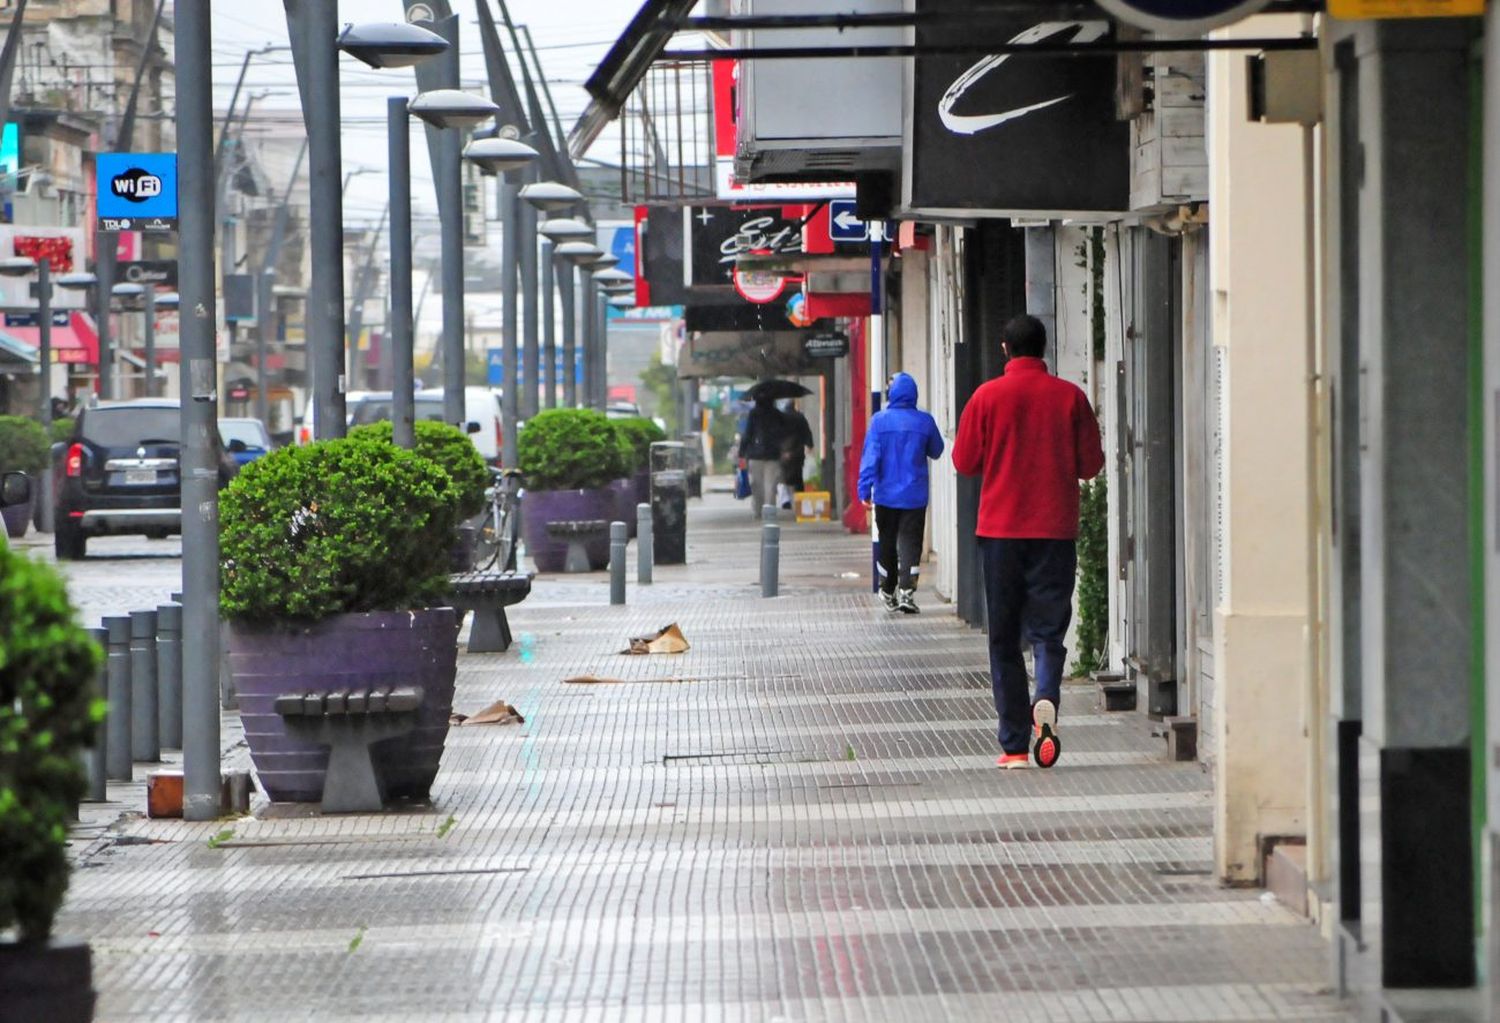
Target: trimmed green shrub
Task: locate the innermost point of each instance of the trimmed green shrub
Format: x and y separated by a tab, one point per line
61	430
355	524
641	433
572	449
1093	576
24	446
450	448
48	710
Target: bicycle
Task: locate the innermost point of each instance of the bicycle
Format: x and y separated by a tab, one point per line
496	543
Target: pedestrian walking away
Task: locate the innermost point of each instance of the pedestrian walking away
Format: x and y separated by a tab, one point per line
1030	437
794	451
893	479
761	445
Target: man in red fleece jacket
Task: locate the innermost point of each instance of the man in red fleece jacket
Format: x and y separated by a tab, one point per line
1031	437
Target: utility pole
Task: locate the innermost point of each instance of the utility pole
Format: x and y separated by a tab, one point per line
402	322
265	283
200	413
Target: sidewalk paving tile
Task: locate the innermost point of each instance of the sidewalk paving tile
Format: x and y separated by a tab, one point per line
798	819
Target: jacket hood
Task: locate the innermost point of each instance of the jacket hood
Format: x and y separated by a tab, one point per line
903	391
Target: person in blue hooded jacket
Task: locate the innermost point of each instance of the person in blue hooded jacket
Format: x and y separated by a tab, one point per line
893	480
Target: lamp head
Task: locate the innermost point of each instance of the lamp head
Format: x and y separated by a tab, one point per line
565	229
551	195
452	108
17	266
497	155
397	44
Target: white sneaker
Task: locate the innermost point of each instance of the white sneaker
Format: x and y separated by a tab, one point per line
906	602
889	600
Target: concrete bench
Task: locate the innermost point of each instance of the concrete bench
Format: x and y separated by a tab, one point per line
488	594
577	534
348	722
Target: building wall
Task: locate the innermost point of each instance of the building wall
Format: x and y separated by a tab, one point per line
1259	297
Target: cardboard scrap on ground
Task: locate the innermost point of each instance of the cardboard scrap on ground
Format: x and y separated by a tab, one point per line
668	640
498	713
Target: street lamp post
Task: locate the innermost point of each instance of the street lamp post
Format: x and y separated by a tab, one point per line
403	397
500	156
452	110
200	411
549	335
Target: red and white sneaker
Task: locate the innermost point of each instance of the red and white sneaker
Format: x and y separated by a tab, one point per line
1045	745
1013	761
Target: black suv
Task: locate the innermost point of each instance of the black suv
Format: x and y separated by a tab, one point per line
119	474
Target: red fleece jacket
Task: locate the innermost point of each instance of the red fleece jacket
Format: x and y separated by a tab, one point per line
1032	437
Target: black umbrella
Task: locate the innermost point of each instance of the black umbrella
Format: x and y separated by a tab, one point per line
775	390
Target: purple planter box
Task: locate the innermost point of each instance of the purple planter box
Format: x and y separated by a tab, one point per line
391	648
544	506
17	519
624	491
642	483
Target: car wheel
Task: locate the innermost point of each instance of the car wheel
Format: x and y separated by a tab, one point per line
69	543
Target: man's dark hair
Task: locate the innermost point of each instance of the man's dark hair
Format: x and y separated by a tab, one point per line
1025	336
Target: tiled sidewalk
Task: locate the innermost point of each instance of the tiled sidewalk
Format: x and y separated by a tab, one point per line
796	820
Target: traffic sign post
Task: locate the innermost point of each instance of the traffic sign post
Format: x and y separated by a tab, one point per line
137	191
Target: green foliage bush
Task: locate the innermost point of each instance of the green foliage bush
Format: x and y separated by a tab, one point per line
61	429
450	448
1093	576
572	449
356	524
641	433
24	446
48	710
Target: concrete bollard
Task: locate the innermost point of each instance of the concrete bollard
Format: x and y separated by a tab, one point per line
644	552
117	762
169	674
769	513
93	760
619	536
770	557
145	738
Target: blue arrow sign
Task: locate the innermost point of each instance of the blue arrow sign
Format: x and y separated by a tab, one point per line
843	225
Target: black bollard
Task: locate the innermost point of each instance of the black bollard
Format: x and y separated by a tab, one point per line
118	765
169	674
145	739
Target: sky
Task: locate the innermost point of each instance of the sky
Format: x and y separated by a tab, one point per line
571	37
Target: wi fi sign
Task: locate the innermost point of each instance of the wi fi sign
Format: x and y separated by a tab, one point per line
136	185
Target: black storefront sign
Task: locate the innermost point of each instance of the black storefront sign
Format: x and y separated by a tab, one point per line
744	316
160	272
1014	134
719	234
826	344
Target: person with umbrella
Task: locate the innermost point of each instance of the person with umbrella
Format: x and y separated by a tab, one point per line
764	438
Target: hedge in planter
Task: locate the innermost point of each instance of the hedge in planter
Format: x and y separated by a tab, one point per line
24	446
641	434
335	561
339	526
450	448
48	710
569	457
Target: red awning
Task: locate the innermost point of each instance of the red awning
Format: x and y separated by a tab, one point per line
77	343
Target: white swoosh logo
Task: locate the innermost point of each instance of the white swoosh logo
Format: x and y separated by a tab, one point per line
973	124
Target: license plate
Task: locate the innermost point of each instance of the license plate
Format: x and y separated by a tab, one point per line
139	477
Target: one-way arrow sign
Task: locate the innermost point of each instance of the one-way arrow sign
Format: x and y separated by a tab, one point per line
843	225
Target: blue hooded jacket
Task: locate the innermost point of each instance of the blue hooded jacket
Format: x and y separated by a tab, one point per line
901	439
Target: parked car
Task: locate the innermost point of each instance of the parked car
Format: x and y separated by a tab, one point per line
482	415
622	410
244	439
119	474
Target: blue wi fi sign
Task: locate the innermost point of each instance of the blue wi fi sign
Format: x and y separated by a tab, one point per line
137	191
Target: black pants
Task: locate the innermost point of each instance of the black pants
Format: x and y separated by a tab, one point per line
900	534
1028	589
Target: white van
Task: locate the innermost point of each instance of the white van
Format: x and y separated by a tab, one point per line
482	418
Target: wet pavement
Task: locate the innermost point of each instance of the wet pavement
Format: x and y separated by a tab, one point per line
798	819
